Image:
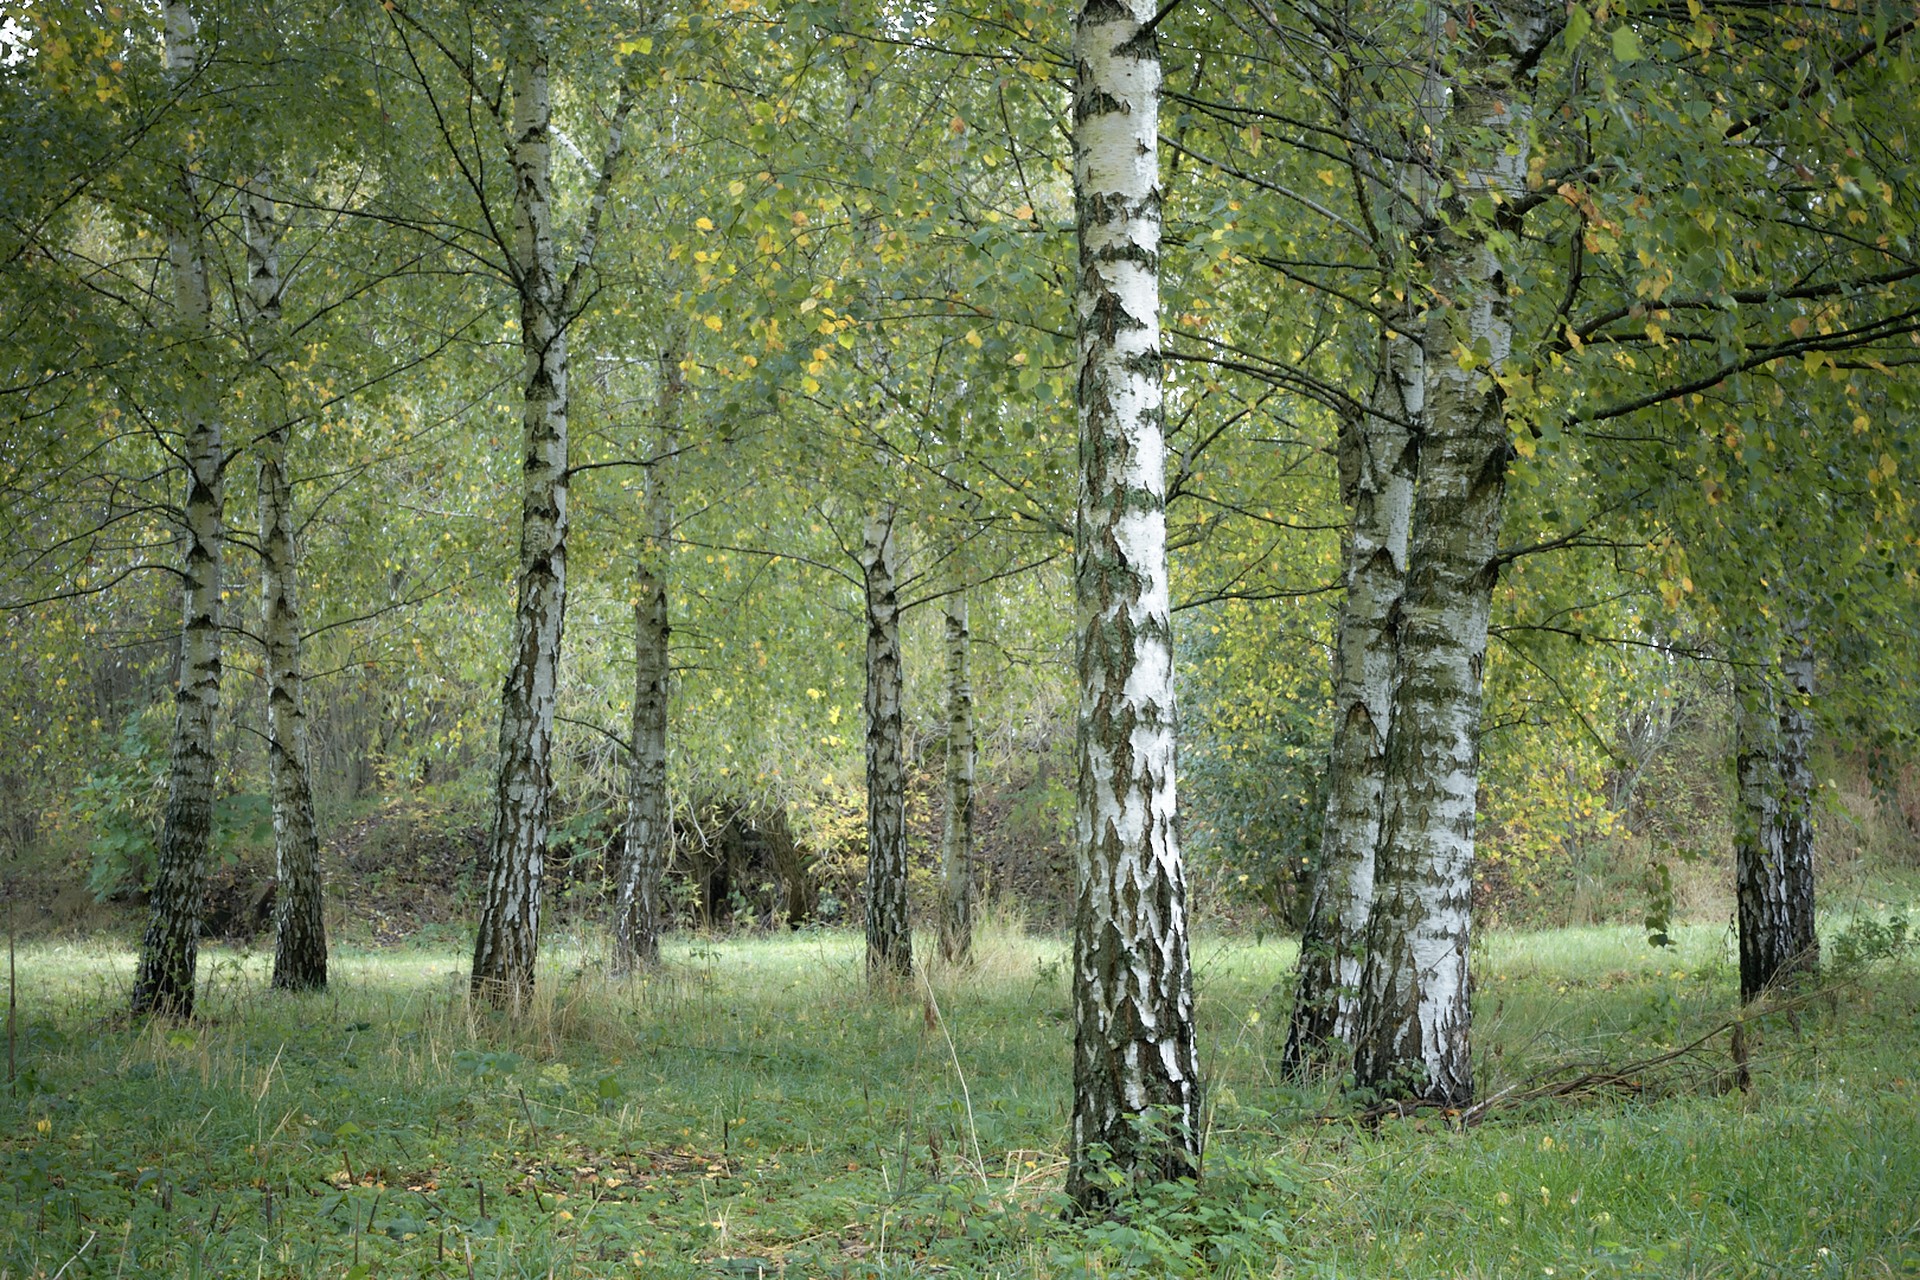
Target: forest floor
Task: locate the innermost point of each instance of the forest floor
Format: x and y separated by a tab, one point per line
751	1109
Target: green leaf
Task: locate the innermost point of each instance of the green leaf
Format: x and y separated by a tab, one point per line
1626	44
1579	23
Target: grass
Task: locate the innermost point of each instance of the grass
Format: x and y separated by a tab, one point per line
752	1109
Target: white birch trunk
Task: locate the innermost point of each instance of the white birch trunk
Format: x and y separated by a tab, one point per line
1380	494
637	915
508	938
889	924
1136	1081
300	926
956	837
1413	1021
1773	838
169	950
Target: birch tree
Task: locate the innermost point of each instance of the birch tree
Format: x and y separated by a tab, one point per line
169	950
1773	828
1378	451
889	926
508	938
1377	474
300	926
648	836
1411	1032
1136	1085
956	836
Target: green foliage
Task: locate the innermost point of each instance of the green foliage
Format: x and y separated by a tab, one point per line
121	803
1658	883
1255	735
1866	940
1228	1223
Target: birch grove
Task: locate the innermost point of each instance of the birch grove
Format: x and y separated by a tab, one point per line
1446	373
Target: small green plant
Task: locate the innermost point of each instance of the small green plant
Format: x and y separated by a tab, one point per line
1657	884
1223	1224
1866	940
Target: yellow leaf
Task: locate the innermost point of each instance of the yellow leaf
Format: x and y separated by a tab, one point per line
714	323
705	224
973	337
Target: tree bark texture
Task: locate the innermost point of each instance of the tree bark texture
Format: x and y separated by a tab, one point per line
169	950
637	915
956	836
1379	460
508	940
299	918
1773	840
1413	1021
1136	1081
889	925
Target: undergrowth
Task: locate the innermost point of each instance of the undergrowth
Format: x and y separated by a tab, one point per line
752	1109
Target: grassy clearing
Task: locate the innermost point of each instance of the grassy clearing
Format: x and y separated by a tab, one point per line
751	1109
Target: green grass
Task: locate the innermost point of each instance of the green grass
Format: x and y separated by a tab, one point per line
753	1106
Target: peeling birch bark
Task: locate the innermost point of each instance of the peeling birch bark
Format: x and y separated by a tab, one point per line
1378	464
637	914
170	948
1413	1021
1773	839
299	916
508	939
889	924
1136	1081
956	837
